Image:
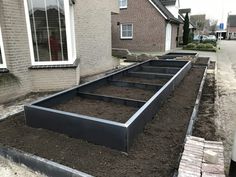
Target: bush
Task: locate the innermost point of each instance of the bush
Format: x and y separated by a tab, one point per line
201	46
214	43
209	46
191	46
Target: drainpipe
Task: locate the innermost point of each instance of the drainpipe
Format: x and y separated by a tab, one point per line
232	170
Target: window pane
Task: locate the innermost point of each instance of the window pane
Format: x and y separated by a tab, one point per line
48	30
129	27
123	3
39	30
129	33
124	27
1	56
63	30
127	30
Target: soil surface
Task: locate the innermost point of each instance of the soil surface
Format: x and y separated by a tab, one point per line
125	92
205	124
155	152
202	61
99	109
159	81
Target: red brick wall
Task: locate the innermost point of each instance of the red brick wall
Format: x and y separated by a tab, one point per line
149	27
174	36
232	29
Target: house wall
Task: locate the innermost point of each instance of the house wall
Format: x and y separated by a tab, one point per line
16	47
53	79
93	42
181	31
231	33
174	35
148	24
231	29
94	38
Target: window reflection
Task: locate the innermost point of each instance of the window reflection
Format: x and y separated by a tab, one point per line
1	62
47	20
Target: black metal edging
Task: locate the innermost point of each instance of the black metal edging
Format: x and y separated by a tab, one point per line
151	75
123	101
88	83
167	70
41	165
97	130
137	122
135	85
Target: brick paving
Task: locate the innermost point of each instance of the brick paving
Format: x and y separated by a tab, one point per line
193	162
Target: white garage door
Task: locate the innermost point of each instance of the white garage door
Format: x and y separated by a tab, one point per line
168	37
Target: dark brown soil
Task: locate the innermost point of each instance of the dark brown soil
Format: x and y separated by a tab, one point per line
125	92
144	81
202	61
205	126
99	109
154	153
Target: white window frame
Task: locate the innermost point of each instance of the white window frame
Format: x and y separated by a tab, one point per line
70	30
121	31
3	65
123	7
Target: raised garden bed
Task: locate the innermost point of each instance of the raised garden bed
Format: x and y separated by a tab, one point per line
154	152
174	55
64	112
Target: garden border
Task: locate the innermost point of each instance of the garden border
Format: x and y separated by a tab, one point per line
100	131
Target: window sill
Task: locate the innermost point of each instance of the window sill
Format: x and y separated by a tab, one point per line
4	70
59	66
126	38
123	8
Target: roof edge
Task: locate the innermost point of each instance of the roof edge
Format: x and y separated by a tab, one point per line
155	6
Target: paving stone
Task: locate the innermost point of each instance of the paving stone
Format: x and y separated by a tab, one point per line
212	175
212	168
188	174
196	143
192	162
192	152
195	138
210	156
214	142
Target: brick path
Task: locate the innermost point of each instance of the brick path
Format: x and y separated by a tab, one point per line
193	163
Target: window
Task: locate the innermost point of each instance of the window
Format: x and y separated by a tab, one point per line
126	31
2	54
123	4
51	31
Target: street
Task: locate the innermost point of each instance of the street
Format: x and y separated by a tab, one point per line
226	97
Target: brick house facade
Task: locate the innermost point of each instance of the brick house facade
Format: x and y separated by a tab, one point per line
231	27
91	42
149	21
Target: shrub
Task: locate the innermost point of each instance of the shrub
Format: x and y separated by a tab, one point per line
209	46
214	43
191	46
201	46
